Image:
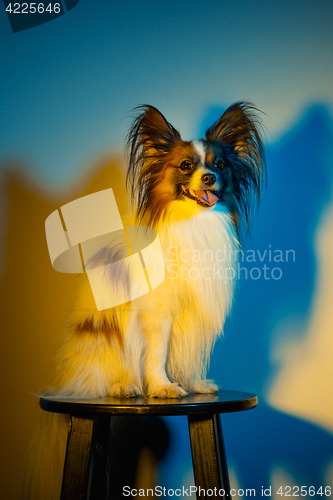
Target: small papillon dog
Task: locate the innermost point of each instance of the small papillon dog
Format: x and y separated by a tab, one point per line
199	196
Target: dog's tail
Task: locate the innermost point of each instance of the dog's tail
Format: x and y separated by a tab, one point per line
44	463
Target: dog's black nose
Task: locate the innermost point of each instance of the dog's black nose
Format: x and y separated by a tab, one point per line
208	179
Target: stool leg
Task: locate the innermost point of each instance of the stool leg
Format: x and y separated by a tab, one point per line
208	455
99	458
76	469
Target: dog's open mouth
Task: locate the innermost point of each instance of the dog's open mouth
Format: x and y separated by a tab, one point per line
205	198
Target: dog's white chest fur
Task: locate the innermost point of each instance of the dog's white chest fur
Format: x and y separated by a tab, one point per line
189	308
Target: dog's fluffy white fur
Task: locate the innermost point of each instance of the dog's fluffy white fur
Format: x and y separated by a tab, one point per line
165	337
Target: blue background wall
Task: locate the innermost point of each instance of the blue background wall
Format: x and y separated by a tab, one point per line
67	89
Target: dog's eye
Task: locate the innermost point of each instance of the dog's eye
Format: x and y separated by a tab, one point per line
219	164
186	166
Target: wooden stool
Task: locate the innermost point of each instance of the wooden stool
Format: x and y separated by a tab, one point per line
85	468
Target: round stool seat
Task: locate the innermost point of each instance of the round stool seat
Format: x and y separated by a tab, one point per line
89	430
222	402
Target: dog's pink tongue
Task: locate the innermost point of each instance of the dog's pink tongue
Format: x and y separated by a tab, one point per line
207	197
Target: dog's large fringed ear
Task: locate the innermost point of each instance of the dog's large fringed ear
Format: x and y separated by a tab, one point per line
239	129
151	129
149	140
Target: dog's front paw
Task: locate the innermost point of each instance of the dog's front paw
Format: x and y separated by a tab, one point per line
171	391
204	387
125	390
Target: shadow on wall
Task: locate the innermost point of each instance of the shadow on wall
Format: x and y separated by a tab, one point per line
299	188
282	239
